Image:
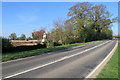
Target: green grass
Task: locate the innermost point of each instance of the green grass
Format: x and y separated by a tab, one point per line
16	55
75	44
111	68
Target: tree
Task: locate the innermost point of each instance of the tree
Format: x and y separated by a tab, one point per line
51	36
29	38
58	31
87	22
68	36
79	17
23	37
38	34
85	16
13	36
6	45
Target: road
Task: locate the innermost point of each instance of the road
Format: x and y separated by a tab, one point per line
76	63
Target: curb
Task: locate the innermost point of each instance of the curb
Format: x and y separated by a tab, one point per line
99	67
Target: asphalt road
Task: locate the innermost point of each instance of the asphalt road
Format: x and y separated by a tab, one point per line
76	63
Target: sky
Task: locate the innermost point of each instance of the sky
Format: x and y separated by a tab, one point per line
26	17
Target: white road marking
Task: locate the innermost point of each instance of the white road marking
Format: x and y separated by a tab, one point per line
98	66
66	57
32	56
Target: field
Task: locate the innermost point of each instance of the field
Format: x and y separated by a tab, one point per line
23	42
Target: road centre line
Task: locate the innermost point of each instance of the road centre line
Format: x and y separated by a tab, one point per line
61	59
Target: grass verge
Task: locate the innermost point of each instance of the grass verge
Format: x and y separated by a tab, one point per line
16	55
111	68
76	44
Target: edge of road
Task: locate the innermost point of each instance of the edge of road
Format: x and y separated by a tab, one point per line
68	48
100	66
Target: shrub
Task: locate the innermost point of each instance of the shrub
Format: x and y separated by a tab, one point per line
6	45
50	45
69	40
1	41
57	44
41	45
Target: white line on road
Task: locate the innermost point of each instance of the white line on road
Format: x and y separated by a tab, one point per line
66	57
19	59
101	65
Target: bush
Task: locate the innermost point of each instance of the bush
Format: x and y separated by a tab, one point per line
0	44
69	40
27	48
6	45
57	44
41	45
50	45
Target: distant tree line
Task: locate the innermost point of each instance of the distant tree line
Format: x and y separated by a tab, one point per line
117	36
36	35
13	36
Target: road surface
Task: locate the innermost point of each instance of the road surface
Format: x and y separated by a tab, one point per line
76	63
